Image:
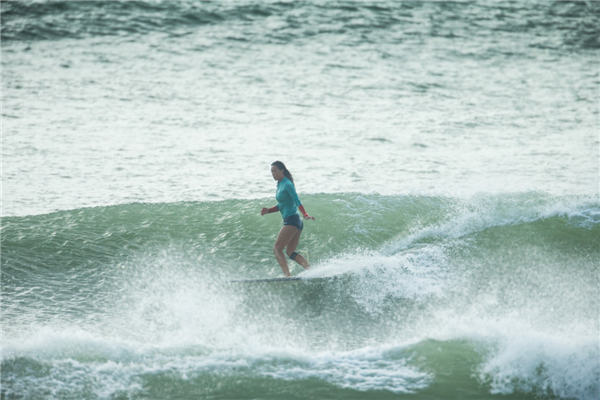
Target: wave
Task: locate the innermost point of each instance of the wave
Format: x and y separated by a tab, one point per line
497	292
93	367
50	20
378	255
232	232
234	229
554	25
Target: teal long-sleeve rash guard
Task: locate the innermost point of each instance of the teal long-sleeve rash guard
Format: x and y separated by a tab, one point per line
287	198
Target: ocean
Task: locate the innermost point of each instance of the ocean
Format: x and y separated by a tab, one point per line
449	152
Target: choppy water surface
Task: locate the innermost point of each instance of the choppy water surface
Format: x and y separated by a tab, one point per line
448	150
115	102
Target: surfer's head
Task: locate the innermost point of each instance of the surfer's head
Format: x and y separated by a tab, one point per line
279	171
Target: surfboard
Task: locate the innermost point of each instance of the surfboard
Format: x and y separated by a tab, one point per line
269	280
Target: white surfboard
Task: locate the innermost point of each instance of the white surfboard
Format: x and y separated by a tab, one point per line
281	279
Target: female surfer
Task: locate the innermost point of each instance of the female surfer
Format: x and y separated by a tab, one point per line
288	204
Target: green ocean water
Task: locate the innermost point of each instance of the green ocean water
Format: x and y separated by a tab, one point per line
423	297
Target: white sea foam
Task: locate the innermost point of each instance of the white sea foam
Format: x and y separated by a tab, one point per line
521	354
538	363
369	368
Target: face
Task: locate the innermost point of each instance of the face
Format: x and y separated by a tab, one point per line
277	173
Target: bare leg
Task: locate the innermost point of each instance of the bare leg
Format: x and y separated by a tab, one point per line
291	247
286	234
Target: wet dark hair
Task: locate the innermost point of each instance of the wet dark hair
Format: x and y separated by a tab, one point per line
282	167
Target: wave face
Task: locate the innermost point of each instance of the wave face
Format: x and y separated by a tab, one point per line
572	23
495	295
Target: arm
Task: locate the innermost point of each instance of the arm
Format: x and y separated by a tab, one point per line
269	210
304	213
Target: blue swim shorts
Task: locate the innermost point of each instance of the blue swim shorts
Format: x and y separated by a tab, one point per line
294	220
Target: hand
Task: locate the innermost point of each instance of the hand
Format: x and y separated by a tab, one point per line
309	217
269	210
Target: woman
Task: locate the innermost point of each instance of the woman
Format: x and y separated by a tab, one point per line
288	204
